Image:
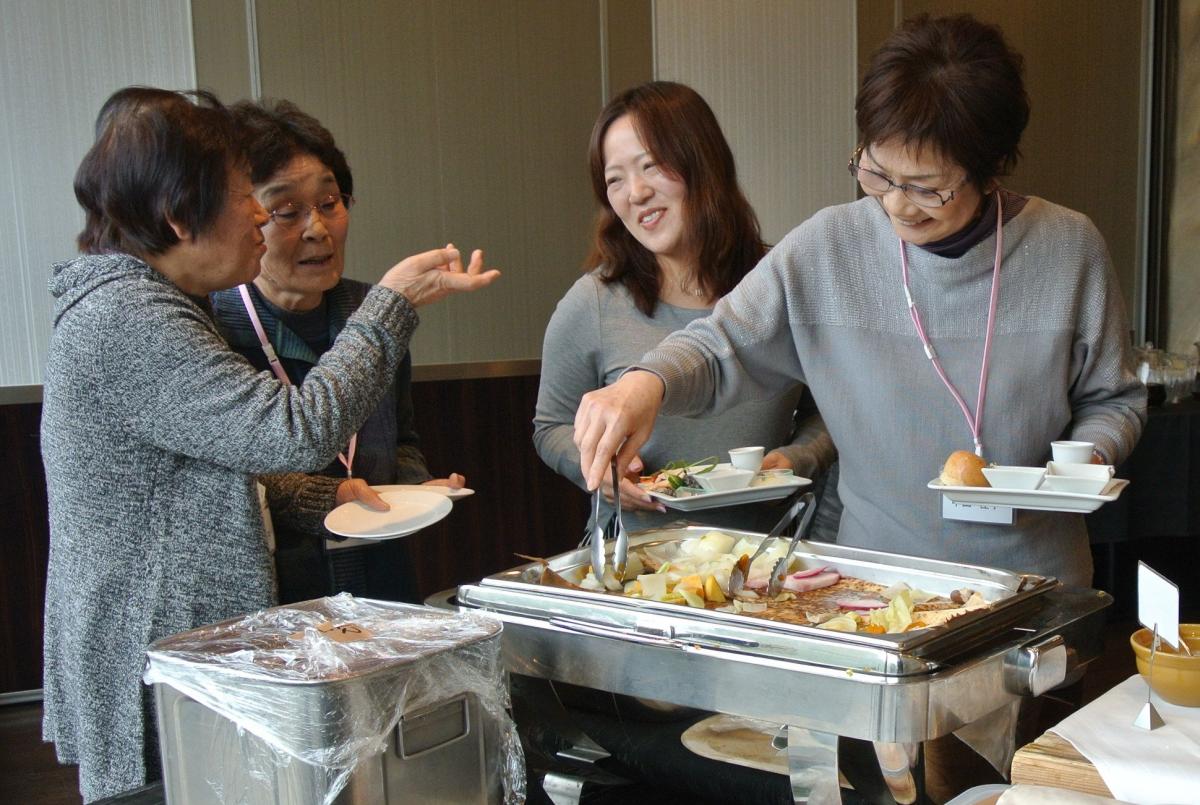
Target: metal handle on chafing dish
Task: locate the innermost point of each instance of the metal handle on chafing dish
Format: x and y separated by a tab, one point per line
1033	669
670	639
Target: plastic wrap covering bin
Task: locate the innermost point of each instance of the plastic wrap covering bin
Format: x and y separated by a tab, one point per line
337	700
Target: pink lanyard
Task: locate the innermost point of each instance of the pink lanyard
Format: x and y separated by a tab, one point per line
976	422
346	458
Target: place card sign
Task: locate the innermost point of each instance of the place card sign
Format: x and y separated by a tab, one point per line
1158	604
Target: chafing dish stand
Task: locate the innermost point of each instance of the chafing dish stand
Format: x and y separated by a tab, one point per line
893	690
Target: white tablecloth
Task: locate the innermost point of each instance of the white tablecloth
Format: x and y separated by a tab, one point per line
1150	767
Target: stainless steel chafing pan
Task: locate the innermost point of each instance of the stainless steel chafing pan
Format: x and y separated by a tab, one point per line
890	689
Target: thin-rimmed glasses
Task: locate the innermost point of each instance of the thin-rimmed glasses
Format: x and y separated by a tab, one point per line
333	207
875	183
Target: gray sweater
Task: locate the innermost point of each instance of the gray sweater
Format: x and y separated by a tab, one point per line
826	307
597	332
152	430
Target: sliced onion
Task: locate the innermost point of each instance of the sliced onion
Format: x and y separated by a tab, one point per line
812	571
860	603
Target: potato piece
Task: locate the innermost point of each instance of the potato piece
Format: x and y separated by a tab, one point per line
712	590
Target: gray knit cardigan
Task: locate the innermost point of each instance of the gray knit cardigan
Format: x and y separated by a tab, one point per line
152	432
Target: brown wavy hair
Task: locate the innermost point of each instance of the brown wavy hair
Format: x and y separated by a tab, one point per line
681	131
951	84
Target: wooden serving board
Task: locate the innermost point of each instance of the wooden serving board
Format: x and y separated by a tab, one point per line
1052	761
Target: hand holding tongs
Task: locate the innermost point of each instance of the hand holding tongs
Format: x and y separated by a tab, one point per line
621	547
737	578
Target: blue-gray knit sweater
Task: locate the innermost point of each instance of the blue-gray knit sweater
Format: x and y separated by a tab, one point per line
152	431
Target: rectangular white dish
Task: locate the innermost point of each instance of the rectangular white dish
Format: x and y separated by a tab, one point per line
1036	499
774	490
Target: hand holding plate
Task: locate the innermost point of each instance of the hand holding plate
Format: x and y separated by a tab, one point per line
358	489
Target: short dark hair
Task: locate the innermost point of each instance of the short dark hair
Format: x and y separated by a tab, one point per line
275	132
159	156
681	131
951	84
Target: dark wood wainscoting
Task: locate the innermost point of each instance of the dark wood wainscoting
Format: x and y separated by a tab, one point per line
24	548
482	428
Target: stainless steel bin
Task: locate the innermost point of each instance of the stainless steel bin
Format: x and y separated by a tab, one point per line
338	700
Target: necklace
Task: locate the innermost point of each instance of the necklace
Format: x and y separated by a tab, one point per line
973	422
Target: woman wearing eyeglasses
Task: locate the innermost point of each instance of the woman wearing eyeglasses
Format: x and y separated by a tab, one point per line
153	429
1015	335
301	301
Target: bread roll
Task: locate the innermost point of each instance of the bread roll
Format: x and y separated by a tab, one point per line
964	468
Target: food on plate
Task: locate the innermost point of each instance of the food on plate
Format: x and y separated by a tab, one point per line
678	478
695	572
964	468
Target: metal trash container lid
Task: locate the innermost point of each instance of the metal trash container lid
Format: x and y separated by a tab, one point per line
320	641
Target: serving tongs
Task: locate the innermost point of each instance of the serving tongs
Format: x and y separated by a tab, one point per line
619	534
779	572
737	577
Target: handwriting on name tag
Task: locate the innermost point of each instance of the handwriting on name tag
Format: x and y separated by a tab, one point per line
976	512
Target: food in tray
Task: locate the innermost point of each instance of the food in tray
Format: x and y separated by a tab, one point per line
964	468
695	572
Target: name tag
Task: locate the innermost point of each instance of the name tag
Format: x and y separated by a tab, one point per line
976	512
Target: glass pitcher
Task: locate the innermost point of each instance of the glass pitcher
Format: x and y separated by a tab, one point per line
1150	369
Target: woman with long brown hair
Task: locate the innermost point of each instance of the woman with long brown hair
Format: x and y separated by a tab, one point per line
673	235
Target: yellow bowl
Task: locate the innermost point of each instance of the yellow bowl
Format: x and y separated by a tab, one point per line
1176	676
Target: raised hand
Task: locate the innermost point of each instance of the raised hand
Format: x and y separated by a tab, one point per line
429	276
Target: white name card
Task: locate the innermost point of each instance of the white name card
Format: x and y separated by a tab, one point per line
976	512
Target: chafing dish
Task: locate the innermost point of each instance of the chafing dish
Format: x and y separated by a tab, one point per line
894	690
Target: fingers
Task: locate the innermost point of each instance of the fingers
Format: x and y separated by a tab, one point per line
455	264
356	489
476	262
636	466
776	461
457	281
455	481
634	497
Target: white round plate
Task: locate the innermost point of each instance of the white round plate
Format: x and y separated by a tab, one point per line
410	512
453	494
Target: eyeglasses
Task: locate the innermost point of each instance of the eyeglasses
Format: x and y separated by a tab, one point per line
333	207
875	183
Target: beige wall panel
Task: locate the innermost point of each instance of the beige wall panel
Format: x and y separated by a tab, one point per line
59	61
463	121
224	57
780	76
1183	249
1083	76
629	40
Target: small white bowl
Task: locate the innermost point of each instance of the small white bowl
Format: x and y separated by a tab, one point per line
1014	477
1074	484
1072	452
1097	471
725	480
